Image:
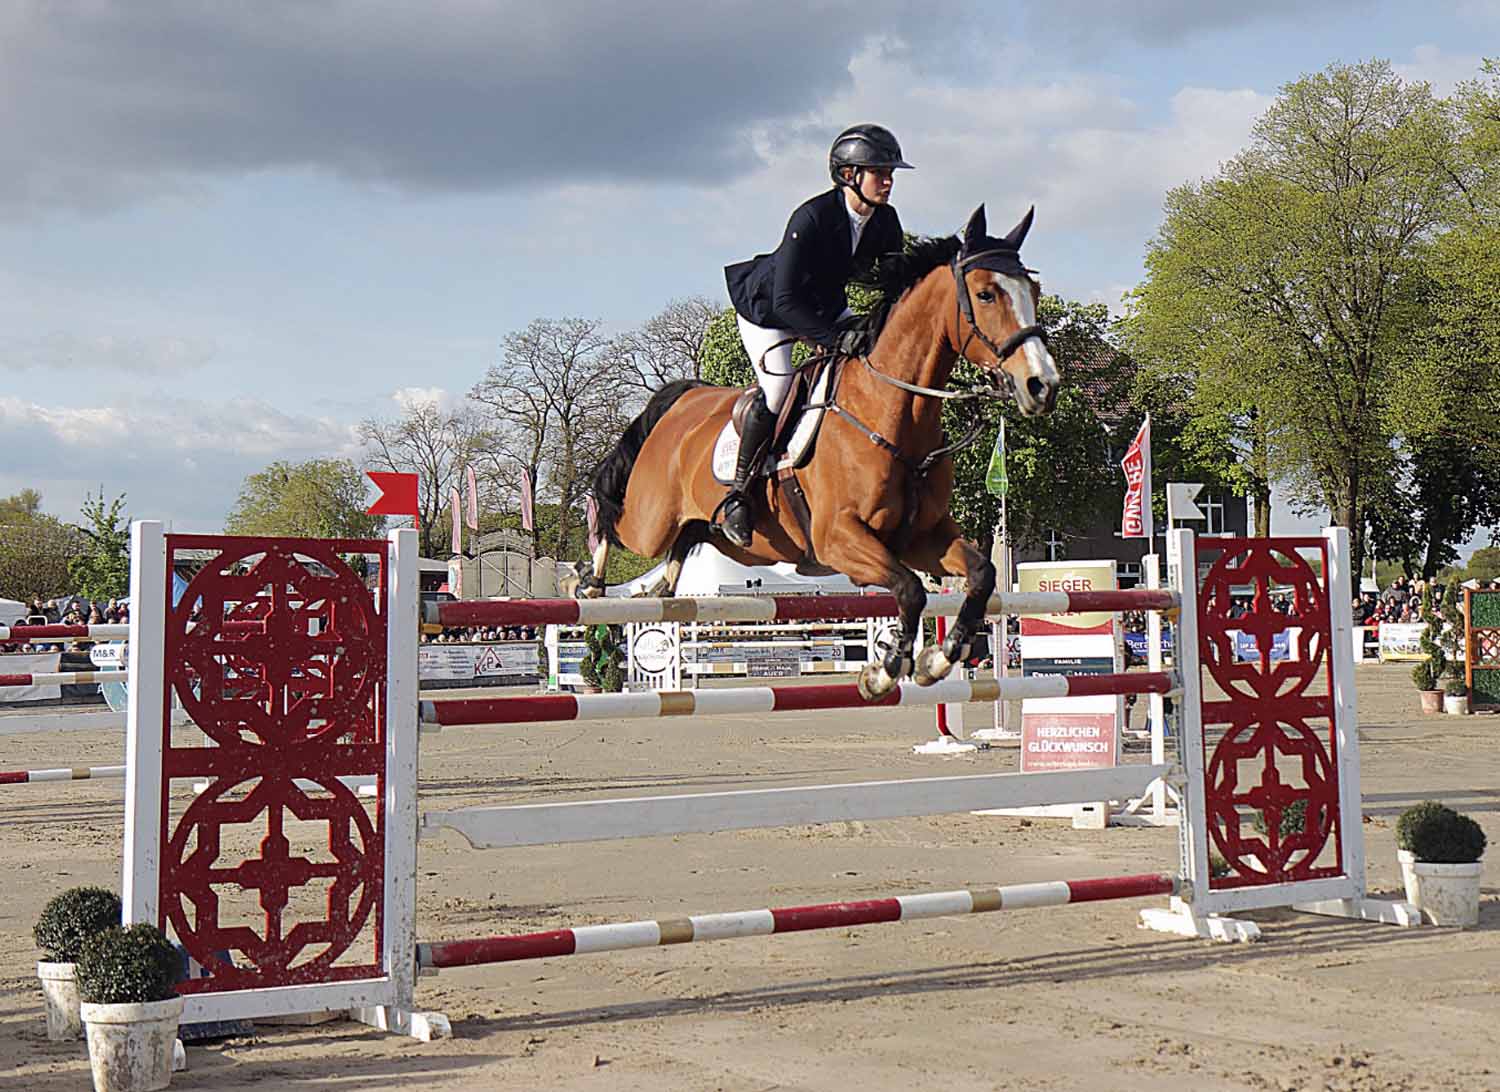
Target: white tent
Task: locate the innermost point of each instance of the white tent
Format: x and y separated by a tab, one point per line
708	572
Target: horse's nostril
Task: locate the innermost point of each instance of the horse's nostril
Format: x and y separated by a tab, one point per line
1037	389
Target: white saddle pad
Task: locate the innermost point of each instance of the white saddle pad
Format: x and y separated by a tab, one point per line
798	449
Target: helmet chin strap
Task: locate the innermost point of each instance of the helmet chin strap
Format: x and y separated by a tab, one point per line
858	186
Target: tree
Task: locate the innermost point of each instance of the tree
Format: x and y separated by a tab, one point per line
1293	270
35	548
556	404
102	569
319	498
1484	564
435	444
1060	467
21	508
669	346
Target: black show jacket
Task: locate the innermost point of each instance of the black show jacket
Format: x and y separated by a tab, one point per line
800	287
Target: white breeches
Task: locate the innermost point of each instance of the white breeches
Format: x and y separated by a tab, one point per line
772	362
770	354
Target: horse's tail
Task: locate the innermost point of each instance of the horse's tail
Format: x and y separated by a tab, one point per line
612	475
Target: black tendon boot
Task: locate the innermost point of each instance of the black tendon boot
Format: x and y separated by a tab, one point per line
755	430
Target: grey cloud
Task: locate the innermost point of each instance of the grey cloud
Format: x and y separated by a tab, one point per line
106	102
162	355
1095	23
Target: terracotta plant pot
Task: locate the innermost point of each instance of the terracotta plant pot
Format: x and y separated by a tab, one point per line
1432	702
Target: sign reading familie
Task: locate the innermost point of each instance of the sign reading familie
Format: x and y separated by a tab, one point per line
1069	733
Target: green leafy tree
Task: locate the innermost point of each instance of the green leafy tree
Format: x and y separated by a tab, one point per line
1059	466
102	569
1484	565
319	498
35	548
1292	273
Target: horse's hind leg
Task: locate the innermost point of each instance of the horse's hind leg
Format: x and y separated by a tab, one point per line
593	584
692	533
945	550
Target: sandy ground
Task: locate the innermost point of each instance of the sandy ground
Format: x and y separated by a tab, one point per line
1072	998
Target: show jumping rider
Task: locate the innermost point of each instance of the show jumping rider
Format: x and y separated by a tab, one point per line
797	293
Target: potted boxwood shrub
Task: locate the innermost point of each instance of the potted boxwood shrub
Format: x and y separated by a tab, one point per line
60	931
1427	688
603	663
1456	696
1440	853
1429	673
125	981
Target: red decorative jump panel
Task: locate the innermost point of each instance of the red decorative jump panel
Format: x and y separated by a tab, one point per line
1278	751
277	651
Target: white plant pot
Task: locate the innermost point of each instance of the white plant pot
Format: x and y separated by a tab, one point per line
1408	875
60	993
131	1046
1456	704
1447	894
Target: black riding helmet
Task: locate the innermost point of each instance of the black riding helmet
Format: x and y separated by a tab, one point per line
864	146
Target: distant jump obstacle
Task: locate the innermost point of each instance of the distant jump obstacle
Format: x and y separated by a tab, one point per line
296	671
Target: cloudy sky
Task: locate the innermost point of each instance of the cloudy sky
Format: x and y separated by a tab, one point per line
228	232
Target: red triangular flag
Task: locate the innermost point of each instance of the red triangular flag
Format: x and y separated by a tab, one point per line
398	495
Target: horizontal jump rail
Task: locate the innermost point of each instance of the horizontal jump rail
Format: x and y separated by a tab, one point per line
514	825
531	709
774	608
758	923
63	678
109	632
64	773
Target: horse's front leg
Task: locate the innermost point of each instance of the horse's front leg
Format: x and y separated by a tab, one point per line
855	550
944	550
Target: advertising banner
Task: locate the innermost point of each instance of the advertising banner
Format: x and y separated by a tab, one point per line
1069	733
30	663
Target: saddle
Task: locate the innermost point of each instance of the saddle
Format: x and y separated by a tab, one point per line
813	391
796	424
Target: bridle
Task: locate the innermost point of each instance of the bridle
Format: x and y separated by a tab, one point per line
960	265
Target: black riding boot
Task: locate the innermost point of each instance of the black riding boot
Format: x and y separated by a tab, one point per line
755	431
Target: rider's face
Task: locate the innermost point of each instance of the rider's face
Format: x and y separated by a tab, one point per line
875	185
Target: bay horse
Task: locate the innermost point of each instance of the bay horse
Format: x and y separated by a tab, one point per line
875	491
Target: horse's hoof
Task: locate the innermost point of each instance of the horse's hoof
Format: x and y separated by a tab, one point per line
874	682
932	666
567	586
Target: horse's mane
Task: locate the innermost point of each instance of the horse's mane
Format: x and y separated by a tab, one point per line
895	274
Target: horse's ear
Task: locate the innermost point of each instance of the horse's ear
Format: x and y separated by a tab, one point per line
1018	233
975	229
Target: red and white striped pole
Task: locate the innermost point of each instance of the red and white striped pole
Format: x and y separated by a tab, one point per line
63	678
64	773
756	923
777	699
64	633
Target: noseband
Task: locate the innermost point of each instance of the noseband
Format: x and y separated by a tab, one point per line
989	259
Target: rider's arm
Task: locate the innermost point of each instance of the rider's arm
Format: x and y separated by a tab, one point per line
796	266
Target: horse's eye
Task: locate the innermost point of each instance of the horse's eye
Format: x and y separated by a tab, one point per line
987	297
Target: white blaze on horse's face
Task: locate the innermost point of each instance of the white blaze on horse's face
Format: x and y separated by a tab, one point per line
1036	387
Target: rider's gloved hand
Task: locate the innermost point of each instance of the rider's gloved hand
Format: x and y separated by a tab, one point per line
849	337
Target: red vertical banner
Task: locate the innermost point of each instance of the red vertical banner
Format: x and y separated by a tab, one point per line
458	529
1135	520
528	516
591	511
471	514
